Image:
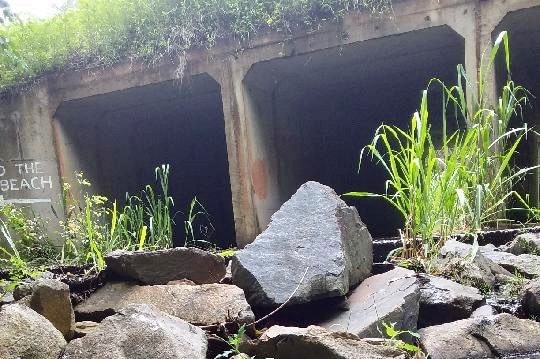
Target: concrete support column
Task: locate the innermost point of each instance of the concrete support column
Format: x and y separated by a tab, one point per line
28	166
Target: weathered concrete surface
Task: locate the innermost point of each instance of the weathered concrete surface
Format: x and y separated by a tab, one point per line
391	297
205	304
315	247
254	161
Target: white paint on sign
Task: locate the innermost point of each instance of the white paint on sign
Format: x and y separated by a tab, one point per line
24	200
24	176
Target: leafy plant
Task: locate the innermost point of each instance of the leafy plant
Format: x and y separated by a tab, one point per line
204	232
394	335
234	342
465	183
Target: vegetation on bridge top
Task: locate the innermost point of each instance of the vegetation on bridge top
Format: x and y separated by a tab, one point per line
99	33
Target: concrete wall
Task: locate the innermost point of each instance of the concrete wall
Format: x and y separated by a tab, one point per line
264	91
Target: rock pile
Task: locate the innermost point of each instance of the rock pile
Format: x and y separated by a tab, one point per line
172	303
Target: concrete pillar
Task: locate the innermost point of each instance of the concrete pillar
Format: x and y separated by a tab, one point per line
28	166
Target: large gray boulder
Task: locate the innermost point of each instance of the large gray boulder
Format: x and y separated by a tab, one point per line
524	264
24	334
140	331
468	266
391	297
163	266
51	299
314	247
483	337
205	304
315	342
530	298
526	243
443	300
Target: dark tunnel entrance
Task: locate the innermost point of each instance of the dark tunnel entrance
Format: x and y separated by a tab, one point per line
118	139
523	28
326	106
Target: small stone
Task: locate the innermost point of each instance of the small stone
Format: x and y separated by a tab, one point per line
51	298
391	297
163	266
205	304
316	342
84	327
443	300
140	331
530	298
315	247
526	243
484	311
25	334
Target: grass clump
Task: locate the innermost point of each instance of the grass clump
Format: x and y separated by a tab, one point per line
467	182
99	33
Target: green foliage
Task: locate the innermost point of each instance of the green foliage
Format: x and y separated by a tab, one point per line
234	342
469	180
203	234
98	33
393	334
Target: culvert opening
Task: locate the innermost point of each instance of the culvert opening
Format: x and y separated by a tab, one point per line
118	139
325	106
523	28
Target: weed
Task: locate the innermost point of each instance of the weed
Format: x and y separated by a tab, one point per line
394	335
203	234
513	286
234	342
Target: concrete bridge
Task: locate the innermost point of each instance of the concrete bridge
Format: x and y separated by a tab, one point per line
247	126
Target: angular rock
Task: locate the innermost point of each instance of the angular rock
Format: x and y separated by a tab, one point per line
484	311
486	337
163	266
316	342
314	247
140	331
391	297
25	334
25	288
51	299
525	264
460	262
443	300
530	298
526	243
205	304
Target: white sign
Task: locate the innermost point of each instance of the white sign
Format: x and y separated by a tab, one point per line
24	176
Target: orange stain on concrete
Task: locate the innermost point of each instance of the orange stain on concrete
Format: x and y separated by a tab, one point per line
259	178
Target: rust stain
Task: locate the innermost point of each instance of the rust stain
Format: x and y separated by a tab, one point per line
259	178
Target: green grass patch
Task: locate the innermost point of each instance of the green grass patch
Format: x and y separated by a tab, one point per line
99	33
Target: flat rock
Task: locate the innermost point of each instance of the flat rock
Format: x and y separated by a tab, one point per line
526	243
84	327
530	298
140	331
443	300
51	298
314	247
484	311
486	337
316	342
391	297
459	261
205	304
525	264
163	266
25	334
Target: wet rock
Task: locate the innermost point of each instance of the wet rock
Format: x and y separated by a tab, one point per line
443	300
25	334
51	299
140	331
316	342
487	337
163	266
84	327
391	297
314	247
459	261
484	311
526	243
530	298
205	304
525	264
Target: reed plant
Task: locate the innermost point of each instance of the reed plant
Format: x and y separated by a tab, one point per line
468	181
